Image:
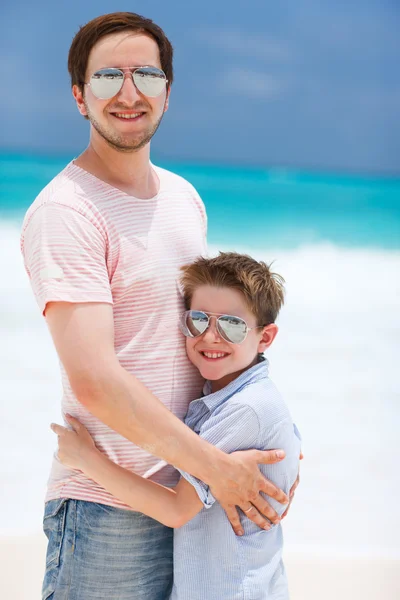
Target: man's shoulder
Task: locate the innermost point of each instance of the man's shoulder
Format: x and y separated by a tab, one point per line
62	191
172	180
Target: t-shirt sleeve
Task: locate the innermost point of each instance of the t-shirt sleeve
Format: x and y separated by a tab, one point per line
203	215
235	427
65	257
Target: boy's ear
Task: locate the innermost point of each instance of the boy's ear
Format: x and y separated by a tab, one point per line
268	335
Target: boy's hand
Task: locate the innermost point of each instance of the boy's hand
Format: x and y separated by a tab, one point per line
74	446
240	484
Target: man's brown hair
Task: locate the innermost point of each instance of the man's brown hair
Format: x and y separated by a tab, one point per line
89	34
262	289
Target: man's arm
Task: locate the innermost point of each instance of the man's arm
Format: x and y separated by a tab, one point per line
83	335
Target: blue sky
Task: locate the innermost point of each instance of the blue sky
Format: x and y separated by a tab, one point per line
310	84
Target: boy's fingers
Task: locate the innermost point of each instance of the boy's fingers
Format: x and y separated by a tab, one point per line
58	429
75	424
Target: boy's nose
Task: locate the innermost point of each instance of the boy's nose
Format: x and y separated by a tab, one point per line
211	334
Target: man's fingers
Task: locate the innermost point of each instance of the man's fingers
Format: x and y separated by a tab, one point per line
301	455
294	486
233	516
271	490
286	511
58	429
291	495
265	509
268	457
254	515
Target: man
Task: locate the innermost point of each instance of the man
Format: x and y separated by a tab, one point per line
102	246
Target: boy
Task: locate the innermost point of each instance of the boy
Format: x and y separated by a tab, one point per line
232	303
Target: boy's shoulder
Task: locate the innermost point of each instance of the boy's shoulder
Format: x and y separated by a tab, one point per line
263	397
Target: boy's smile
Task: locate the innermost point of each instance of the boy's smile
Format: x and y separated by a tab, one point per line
211	355
218	360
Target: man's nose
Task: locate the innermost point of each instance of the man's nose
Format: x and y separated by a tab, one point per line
129	93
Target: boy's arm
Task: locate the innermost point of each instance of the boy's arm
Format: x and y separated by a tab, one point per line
172	507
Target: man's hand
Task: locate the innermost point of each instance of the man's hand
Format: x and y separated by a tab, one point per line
74	446
240	485
292	490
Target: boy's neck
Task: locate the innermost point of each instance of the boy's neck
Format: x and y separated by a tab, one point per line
219	384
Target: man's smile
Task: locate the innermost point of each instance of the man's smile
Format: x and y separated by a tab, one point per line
127	116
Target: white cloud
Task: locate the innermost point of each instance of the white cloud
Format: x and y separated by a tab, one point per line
237	42
251	84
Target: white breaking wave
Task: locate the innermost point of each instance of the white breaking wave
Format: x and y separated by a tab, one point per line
333	360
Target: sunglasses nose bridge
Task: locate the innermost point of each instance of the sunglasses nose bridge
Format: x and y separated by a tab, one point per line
128	87
212	328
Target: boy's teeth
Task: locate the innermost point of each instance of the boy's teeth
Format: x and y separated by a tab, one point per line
214	354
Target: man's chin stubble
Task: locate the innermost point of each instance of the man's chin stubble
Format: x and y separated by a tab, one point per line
117	143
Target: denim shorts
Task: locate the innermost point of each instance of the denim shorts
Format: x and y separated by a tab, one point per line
97	552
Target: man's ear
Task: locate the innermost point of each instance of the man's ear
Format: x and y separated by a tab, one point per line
268	335
166	105
80	103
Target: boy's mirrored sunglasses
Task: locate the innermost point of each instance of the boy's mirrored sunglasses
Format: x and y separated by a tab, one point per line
107	83
232	329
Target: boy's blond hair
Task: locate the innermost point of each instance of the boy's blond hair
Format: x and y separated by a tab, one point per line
262	290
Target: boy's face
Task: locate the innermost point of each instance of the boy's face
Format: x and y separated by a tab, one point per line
231	359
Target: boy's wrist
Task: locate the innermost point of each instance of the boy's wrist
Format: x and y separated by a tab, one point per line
89	459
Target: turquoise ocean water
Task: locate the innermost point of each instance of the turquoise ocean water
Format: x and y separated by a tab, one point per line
255	207
336	240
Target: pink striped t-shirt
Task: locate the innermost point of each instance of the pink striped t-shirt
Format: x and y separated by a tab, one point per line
86	241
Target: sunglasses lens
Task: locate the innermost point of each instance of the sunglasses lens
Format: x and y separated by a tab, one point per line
106	83
194	323
150	81
232	329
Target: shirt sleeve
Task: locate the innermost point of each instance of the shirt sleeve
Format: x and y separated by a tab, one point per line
65	257
235	427
203	215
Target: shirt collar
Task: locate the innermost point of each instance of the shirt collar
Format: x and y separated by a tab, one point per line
213	400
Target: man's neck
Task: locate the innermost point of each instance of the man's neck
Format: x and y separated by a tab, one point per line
130	172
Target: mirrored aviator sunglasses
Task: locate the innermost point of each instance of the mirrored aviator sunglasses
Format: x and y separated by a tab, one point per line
234	330
107	83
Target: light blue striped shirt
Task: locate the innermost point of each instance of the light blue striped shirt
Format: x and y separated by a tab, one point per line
210	561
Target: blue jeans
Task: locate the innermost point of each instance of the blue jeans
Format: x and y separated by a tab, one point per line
103	553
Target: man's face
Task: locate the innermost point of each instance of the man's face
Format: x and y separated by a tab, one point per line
109	117
217	360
